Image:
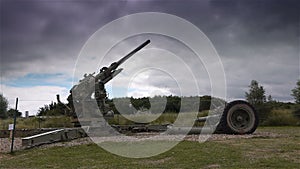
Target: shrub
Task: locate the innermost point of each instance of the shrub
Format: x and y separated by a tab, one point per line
281	117
263	111
296	113
57	122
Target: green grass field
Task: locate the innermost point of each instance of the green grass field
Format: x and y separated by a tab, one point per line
257	152
278	117
62	121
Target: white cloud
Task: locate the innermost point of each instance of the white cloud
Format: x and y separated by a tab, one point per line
32	98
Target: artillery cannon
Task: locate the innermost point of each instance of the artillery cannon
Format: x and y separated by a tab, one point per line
238	117
94	86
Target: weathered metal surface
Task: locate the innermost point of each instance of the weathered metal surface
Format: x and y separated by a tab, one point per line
53	136
203	119
44	138
135	128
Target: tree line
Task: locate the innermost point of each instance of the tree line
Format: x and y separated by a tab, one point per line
173	105
256	96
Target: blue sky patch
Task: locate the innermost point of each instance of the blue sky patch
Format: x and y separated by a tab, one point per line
34	79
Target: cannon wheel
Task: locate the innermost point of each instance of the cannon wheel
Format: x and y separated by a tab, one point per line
239	117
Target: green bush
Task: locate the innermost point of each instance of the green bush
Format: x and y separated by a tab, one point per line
263	111
281	117
33	122
57	122
296	113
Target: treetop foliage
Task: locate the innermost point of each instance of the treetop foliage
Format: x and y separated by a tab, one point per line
11	113
296	92
256	94
3	107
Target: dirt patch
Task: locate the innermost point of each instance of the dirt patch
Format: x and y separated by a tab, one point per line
155	137
156	162
292	156
5	144
212	166
226	137
80	141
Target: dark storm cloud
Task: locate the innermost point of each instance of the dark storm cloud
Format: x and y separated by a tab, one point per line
39	30
255	39
256	23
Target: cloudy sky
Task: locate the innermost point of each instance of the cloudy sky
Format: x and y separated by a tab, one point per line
40	41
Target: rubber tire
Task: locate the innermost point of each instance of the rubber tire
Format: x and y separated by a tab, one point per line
224	126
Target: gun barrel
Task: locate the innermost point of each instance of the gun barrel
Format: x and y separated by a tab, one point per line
133	52
107	75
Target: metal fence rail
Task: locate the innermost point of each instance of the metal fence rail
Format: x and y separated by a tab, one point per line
53	136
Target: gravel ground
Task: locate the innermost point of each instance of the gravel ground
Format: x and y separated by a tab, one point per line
5	142
152	136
